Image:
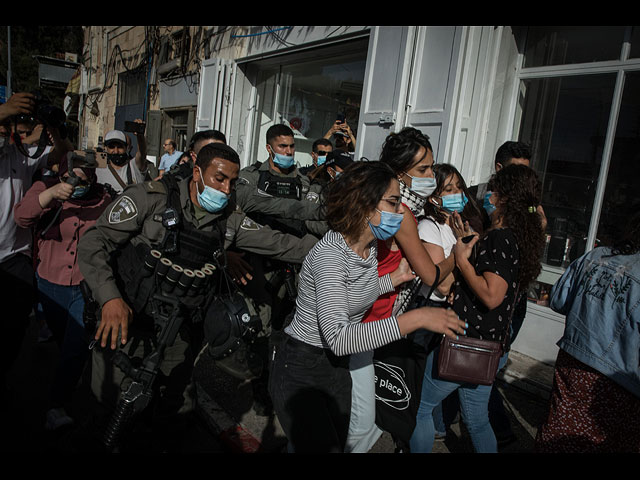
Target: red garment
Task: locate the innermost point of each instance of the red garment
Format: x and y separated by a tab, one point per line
388	261
58	259
588	413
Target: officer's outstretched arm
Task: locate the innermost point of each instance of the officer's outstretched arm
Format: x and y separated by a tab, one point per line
250	199
248	235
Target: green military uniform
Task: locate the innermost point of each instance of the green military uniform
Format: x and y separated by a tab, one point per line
136	218
255	196
286	202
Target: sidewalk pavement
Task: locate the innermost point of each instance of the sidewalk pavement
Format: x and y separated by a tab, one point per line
226	405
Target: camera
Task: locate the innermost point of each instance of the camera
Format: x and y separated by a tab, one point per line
46	113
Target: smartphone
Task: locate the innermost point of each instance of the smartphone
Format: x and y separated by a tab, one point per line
468	238
134	127
340	118
101	159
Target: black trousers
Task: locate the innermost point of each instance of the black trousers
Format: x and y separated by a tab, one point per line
311	393
17	297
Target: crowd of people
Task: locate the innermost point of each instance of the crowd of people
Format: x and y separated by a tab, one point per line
294	279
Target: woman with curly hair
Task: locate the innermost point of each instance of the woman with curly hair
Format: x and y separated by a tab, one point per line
310	383
595	398
507	259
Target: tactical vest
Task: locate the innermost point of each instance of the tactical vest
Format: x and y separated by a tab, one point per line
184	264
280	187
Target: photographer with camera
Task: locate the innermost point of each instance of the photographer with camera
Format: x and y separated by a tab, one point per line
17	169
344	138
123	169
182	226
61	208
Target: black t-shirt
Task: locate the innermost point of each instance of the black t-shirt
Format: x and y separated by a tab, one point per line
496	252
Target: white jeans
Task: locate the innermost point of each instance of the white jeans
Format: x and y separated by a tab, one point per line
363	431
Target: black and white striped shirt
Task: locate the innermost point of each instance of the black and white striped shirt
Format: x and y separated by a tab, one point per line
336	288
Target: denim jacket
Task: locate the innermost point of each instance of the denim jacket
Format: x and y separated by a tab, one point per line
600	296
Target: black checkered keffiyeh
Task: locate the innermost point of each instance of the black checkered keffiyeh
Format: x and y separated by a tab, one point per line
409	290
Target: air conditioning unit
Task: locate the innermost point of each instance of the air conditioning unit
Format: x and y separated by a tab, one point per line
168	66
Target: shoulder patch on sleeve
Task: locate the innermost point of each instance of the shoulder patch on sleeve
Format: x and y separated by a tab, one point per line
123	209
155	187
249	224
313	197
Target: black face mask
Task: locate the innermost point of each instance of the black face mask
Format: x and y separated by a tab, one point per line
118	159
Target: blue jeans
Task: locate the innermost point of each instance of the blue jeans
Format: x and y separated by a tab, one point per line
474	401
62	307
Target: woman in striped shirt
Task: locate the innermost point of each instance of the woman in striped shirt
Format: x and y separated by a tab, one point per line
310	384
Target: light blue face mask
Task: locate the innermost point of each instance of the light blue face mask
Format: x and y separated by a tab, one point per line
454	202
488	206
210	199
321	160
423	186
283	161
389	225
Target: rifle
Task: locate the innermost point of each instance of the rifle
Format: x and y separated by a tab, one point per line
167	315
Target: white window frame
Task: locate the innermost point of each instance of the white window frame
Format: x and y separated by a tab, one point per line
551	274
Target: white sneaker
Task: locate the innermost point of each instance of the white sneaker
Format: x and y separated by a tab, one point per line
56	418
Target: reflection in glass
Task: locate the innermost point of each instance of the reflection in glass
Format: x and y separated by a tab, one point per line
559	45
635	42
565	122
308	96
622	194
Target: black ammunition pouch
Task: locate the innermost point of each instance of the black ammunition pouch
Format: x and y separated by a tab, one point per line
186	264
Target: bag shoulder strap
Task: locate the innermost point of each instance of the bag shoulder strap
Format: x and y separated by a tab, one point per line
116	176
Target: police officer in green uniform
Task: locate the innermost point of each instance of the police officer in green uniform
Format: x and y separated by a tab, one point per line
190	222
275	193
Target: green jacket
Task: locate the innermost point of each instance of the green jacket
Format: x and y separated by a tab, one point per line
135	216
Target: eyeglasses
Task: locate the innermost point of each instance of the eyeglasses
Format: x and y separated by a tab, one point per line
114	144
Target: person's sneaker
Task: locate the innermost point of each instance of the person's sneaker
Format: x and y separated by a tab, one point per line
57	418
440	435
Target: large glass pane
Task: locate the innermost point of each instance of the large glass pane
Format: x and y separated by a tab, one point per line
635	42
558	45
622	195
565	122
308	96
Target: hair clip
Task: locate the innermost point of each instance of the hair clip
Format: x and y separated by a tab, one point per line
531	209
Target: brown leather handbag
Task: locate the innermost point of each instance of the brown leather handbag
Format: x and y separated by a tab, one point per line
469	360
472	360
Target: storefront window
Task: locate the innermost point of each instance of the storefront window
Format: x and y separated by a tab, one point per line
566	120
308	95
621	197
562	45
635	43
